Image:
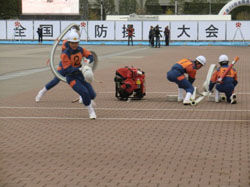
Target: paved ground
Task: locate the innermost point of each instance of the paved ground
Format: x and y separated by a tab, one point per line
144	143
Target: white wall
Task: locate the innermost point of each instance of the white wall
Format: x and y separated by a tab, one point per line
116	30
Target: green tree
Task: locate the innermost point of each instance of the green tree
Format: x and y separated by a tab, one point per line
140	11
123	7
169	12
196	7
153	7
84	9
10	9
128	7
199	6
108	7
180	5
241	13
93	15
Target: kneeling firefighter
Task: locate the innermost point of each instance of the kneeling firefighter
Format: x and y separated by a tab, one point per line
177	75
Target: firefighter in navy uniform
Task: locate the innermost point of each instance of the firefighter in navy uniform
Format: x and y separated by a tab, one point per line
71	59
51	84
176	74
228	83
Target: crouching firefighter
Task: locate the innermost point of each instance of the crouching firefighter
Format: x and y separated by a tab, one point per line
227	84
177	75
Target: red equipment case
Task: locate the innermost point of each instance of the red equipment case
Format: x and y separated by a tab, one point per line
129	83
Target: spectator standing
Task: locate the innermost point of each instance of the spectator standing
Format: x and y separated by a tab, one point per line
151	36
40	34
166	34
157	33
130	31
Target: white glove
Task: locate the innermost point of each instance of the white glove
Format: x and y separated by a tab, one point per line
87	73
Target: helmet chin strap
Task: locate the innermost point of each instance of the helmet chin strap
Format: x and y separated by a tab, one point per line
196	62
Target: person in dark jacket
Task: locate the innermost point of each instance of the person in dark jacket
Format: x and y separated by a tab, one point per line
151	36
166	34
157	33
40	34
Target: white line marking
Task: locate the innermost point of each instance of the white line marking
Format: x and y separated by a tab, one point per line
173	92
129	119
22	73
128	109
130	57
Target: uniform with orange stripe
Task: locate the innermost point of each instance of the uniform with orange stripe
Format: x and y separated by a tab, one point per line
228	83
60	70
177	75
71	59
71	62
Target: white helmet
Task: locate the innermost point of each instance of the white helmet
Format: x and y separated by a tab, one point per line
201	59
73	36
223	58
73	29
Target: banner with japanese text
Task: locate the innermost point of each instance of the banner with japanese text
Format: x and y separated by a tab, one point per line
212	30
3	30
148	24
101	30
19	30
51	29
184	30
82	26
117	30
121	32
238	30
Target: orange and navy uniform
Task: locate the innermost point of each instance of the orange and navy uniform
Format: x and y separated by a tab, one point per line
65	45
71	59
228	82
187	67
71	62
176	74
60	68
